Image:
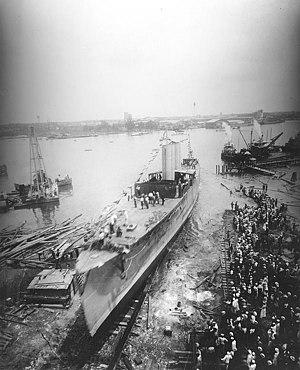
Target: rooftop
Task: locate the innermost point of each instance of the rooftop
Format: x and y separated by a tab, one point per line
52	279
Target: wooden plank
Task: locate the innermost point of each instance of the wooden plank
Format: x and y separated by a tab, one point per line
201	282
148	312
127	363
149	363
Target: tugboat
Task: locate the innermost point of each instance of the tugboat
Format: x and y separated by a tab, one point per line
229	153
134	232
42	190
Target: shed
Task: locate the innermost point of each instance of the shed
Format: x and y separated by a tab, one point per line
52	286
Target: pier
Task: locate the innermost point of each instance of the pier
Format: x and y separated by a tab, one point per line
260	170
277	162
259	167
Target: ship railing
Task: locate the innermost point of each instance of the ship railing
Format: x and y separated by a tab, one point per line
186	188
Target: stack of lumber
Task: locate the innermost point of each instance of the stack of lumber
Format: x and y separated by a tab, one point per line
5	339
36	249
11	232
19	314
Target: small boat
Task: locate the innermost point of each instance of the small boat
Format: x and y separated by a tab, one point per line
66	181
178	132
139	133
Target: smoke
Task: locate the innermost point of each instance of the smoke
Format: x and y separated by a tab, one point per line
257	128
228	132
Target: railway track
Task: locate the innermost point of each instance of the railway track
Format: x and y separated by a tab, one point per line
129	324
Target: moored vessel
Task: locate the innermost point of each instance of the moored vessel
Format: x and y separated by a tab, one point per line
64	182
261	148
229	153
255	150
133	234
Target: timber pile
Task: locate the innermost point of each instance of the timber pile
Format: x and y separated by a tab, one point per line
8	233
205	311
39	248
19	314
210	278
5	339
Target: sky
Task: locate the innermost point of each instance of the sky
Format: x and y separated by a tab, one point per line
72	60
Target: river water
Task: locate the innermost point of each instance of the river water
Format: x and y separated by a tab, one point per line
103	167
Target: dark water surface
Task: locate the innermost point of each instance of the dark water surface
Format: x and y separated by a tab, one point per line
102	167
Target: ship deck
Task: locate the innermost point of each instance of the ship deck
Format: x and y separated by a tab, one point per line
137	221
140	220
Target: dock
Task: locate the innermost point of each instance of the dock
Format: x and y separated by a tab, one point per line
261	170
233	169
277	162
258	166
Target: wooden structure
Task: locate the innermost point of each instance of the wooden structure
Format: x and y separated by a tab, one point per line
52	286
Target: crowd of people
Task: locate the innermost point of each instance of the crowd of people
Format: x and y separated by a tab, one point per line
260	326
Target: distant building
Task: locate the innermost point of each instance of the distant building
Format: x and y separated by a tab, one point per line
127	116
215	123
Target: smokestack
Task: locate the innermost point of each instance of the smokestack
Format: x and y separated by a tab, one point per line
171	159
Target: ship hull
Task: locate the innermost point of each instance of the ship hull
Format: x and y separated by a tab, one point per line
105	290
118	309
